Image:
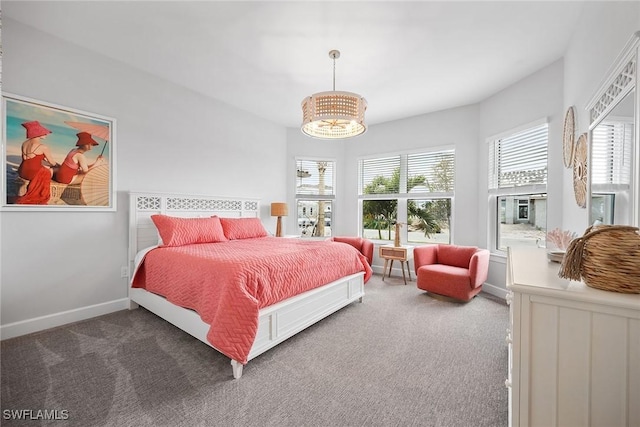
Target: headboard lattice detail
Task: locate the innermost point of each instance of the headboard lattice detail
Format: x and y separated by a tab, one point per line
148	203
192	204
251	206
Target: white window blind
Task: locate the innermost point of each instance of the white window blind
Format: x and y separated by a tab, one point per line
519	159
315	178
370	171
611	153
437	168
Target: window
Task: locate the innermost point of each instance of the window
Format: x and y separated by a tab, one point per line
611	143
315	183
429	220
518	182
522	222
415	189
611	146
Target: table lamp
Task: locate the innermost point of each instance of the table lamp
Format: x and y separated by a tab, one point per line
279	209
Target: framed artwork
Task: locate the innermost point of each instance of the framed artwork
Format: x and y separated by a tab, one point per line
56	158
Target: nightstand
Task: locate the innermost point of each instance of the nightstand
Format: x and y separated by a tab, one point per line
392	253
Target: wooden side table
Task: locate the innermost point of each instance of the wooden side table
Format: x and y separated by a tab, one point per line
396	253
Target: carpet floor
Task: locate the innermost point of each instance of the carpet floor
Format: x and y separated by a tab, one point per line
399	358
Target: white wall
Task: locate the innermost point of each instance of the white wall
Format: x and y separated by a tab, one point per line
538	96
171	139
168	139
601	33
456	127
605	28
302	146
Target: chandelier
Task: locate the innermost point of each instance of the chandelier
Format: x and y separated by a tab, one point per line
333	114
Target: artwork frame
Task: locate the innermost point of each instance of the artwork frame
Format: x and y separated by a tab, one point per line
81	171
580	171
568	137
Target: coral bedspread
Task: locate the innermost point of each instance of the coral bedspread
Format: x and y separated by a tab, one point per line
227	283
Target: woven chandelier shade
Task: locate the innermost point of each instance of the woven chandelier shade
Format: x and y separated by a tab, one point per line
333	114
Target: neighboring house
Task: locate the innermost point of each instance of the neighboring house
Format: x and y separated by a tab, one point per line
526	210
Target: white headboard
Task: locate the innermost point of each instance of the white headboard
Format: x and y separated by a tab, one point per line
142	231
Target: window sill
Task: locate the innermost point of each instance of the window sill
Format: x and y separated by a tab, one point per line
499	257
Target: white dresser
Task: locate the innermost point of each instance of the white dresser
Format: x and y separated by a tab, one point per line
574	351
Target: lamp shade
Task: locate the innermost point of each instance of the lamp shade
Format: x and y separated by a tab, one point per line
333	114
279	209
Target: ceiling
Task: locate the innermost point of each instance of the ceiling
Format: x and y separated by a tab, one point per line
405	58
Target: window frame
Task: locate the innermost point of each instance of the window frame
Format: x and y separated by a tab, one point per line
495	193
302	197
403	196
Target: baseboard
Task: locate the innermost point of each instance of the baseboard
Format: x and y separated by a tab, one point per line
494	290
37	324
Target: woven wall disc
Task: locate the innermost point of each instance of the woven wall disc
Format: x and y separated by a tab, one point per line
568	135
580	171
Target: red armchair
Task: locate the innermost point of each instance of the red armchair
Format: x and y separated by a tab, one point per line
454	271
363	245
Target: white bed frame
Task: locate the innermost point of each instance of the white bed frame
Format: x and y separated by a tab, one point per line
276	323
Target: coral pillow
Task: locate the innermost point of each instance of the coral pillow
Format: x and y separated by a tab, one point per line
176	231
457	256
242	228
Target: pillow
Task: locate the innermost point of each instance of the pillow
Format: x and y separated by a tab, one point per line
242	228
176	231
457	256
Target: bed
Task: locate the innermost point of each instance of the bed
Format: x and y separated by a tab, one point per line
272	319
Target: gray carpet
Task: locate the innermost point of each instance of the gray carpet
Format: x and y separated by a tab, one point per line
399	358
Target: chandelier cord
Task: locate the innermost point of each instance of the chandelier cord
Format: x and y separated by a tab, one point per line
334	73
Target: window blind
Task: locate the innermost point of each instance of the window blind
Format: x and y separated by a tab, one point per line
611	153
519	159
437	168
372	170
315	178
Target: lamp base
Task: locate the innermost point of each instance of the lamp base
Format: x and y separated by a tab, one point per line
279	227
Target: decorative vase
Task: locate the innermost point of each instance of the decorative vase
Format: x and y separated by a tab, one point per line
396	241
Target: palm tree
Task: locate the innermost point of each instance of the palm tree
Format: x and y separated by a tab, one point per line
423	218
379	214
430	218
319	228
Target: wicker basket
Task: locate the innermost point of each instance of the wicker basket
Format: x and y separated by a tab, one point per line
607	257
